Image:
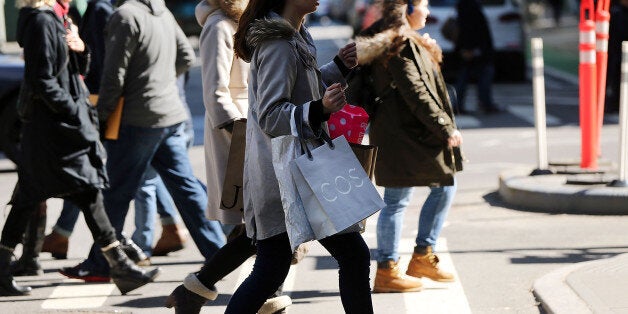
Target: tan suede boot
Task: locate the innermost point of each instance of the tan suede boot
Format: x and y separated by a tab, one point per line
426	265
56	244
388	279
173	238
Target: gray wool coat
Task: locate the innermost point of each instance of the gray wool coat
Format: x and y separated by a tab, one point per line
283	75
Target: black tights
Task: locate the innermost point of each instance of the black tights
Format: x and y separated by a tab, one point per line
273	263
226	260
89	201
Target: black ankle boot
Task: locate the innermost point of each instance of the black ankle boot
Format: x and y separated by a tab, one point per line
8	287
185	301
134	252
124	273
28	264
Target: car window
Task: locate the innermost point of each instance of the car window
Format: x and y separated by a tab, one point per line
451	3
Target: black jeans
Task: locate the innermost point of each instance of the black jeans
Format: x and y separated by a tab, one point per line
226	260
89	201
273	263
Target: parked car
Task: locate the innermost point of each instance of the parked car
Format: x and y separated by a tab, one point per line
11	75
507	28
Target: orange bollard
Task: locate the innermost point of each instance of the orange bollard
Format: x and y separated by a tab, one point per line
602	20
588	84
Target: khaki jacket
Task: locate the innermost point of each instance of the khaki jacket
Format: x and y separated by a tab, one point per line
412	124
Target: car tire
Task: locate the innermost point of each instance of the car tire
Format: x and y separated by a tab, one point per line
9	126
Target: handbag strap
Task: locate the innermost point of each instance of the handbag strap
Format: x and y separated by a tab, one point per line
298	119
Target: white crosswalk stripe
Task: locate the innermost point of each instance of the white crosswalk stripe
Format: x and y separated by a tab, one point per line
526	113
72	296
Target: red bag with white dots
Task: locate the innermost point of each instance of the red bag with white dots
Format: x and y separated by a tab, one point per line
350	121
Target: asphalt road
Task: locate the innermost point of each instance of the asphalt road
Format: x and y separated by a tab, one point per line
496	252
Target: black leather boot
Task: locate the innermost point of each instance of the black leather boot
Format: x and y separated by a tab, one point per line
28	264
124	273
134	252
8	287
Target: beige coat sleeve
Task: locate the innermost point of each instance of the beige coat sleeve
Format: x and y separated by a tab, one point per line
217	56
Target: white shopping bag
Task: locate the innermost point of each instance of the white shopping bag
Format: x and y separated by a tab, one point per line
334	188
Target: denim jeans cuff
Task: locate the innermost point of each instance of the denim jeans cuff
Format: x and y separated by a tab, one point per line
165	221
62	231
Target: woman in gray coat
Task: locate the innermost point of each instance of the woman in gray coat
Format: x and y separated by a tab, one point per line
225	95
284	75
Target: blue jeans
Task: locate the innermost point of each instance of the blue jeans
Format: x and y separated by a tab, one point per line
484	71
165	150
67	219
390	222
152	198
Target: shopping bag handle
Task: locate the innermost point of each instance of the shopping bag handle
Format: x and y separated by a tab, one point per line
298	119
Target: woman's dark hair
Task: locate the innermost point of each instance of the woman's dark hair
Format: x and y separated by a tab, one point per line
256	9
393	13
394	17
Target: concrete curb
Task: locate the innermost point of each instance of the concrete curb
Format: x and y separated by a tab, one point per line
556	296
549	193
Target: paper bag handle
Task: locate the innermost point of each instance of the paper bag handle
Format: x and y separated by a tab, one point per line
298	118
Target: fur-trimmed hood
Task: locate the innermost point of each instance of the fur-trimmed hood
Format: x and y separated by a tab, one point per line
230	8
268	29
275	27
370	48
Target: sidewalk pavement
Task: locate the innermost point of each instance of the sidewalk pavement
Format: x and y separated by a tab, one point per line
589	287
598	286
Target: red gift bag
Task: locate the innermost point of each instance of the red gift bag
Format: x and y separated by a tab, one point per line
350	121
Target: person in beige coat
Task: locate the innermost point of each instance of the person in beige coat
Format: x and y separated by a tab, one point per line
225	95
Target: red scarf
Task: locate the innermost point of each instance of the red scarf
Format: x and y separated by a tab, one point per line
62	11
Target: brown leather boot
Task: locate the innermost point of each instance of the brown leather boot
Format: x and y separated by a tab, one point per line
172	239
56	244
425	264
388	279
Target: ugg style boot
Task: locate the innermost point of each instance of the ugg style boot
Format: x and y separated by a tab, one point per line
190	297
56	244
388	279
124	273
275	305
424	263
8	287
173	238
28	264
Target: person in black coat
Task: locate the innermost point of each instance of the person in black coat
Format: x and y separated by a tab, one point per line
474	44
61	154
618	32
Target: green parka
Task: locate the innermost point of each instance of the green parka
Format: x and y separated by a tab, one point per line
412	123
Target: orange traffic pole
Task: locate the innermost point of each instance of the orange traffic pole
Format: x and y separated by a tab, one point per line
588	84
588	109
602	20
